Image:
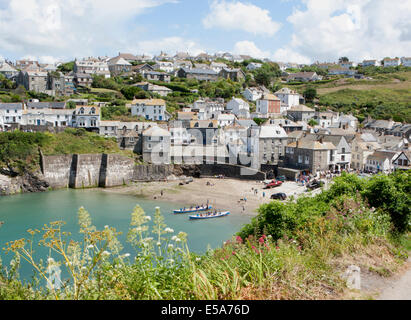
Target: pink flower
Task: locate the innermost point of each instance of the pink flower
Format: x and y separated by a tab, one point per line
261	240
239	239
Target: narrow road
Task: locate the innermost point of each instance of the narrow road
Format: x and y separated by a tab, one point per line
398	289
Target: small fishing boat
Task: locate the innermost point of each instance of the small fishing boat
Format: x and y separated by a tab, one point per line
193	209
209	215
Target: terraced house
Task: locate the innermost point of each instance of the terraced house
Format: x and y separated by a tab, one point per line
311	156
87	117
150	109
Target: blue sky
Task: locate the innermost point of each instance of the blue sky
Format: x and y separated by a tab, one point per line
282	30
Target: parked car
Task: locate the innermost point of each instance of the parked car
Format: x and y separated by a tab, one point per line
273	184
315	185
279	196
282	179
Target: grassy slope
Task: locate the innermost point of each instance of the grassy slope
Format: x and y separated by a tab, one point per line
385	96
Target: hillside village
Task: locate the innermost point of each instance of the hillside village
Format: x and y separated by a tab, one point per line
170	113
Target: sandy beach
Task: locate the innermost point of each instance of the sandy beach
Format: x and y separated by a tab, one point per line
222	194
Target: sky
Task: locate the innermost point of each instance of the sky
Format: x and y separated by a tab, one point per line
301	31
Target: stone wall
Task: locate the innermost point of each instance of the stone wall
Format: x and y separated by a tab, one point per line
116	170
153	172
87	173
56	170
103	170
231	171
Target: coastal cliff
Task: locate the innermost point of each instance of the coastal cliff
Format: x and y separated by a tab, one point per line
28	182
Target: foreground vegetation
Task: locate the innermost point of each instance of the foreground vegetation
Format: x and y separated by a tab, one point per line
20	150
293	250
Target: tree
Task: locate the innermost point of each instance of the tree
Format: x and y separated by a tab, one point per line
310	93
66	67
343	59
130	92
312	123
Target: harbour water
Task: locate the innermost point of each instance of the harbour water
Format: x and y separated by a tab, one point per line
31	211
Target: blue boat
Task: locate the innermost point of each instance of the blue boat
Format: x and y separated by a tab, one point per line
209	215
193	209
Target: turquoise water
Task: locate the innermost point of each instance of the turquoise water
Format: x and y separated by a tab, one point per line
31	211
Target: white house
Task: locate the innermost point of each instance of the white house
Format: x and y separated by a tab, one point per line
11	112
46	116
150	109
288	97
254	66
156	145
86	117
217	66
392	62
225	120
380	161
402	161
406	61
239	107
179	136
372	63
166	66
208	108
253	94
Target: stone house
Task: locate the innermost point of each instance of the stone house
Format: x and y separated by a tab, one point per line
33	80
83	80
232	74
272	142
157	76
301	113
142	68
199	74
119	66
310	156
362	146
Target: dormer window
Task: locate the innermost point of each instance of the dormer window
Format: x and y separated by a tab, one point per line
93	111
81	111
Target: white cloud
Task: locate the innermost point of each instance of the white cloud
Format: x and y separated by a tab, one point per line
236	15
171	45
250	48
68	28
359	29
288	55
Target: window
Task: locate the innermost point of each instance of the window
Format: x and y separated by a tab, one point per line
307	160
300	159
